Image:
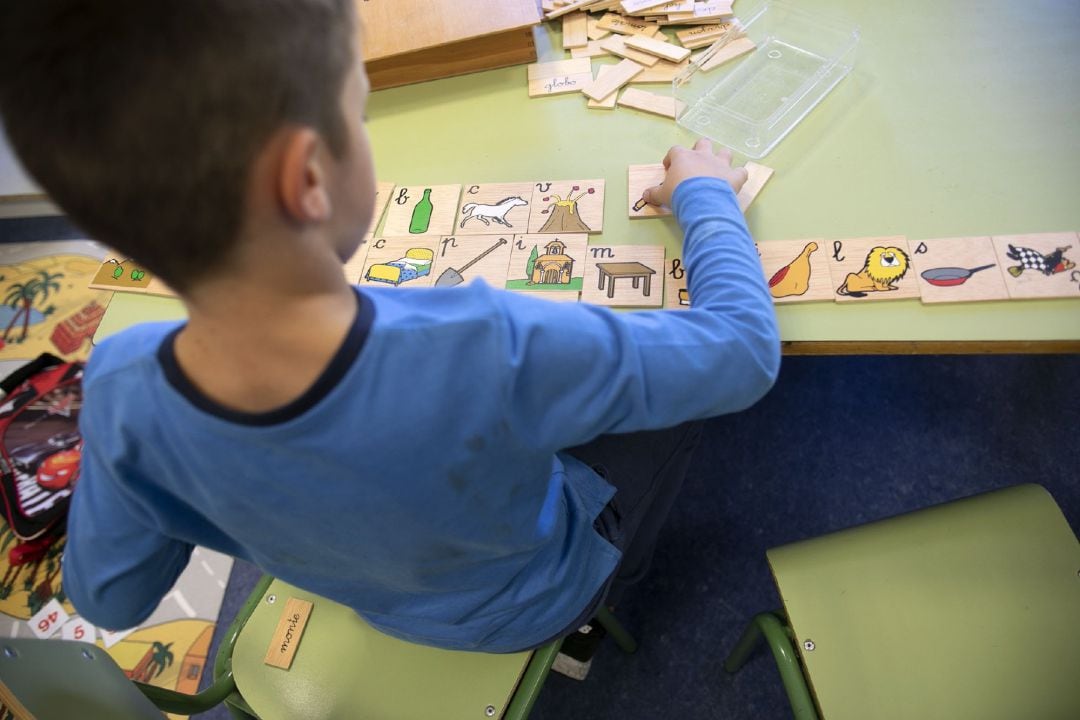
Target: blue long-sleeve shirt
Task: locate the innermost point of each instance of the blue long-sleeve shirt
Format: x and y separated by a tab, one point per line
419	481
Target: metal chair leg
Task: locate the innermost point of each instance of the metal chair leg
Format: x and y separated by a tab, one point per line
772	627
618	633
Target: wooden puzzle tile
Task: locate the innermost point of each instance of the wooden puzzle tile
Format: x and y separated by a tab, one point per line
616	45
662	72
591	50
662	105
706	11
624	275
627	25
406	262
383	193
660	48
612	80
872	269
422	210
796	270
492	208
673	6
121	274
548	263
702	35
575	30
635	7
462	259
960	269
757	176
593	31
354	266
640	178
1040	266
676	294
607	103
572	7
556	78
571	297
726	53
567	206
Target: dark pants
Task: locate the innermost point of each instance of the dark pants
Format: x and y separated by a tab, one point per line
647	470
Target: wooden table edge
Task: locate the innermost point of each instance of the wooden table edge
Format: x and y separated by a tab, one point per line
930	347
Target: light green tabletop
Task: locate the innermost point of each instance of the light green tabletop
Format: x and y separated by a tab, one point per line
960	118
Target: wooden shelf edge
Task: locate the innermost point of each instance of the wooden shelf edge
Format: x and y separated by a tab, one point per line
487	53
931	347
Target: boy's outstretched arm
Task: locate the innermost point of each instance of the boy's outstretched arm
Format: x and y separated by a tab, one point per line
595	371
116	568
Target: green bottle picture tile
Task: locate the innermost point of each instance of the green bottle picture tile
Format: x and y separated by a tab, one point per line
421	217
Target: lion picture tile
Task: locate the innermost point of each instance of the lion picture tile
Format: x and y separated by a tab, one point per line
872	269
548	263
959	269
624	275
796	270
493	208
1044	265
462	259
567	206
404	262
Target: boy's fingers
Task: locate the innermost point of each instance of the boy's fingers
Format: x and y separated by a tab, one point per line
651	194
674	150
703	144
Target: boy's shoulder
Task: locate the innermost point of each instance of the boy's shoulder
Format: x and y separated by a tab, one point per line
127	350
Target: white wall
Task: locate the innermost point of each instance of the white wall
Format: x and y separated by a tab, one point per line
14	182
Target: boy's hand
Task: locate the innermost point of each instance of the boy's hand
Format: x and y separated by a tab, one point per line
702	161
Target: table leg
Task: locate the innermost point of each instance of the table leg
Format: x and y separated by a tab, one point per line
602	276
637	282
611	287
648	285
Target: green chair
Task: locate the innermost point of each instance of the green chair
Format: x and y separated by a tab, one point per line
343	668
967	610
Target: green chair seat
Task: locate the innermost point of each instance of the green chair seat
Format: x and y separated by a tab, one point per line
967	610
344	668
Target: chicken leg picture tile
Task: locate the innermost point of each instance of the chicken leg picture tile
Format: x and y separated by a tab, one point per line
796	270
872	269
1040	266
960	269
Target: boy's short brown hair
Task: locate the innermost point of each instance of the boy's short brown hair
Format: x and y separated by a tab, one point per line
142	118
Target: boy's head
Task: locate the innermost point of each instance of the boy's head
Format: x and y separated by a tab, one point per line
145	120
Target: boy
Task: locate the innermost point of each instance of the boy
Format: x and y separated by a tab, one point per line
403	453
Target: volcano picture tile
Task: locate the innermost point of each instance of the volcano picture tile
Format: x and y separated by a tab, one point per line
624	275
422	210
462	259
959	269
494	208
548	263
1040	266
871	269
567	206
797	270
406	262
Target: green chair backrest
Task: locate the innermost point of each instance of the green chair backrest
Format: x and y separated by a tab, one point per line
62	680
344	668
965	610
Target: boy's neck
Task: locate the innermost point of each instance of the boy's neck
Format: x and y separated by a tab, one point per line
260	335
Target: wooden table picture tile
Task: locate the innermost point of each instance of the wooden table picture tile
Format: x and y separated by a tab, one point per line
872	269
548	263
624	275
642	177
1040	266
405	262
383	192
676	294
960	269
567	206
493	208
422	210
796	270
462	259
556	78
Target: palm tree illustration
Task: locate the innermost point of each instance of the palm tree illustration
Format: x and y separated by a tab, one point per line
22	297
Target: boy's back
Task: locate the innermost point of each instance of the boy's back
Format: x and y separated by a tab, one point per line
395	451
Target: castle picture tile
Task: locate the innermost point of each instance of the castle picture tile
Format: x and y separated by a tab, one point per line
548	263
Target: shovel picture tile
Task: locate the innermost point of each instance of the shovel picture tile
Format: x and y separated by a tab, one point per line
461	259
959	269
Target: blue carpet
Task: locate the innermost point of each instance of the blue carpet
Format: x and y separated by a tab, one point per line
838	442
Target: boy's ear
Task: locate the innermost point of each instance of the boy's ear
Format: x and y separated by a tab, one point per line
302	179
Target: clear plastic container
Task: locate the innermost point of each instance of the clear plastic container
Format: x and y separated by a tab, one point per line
751	102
